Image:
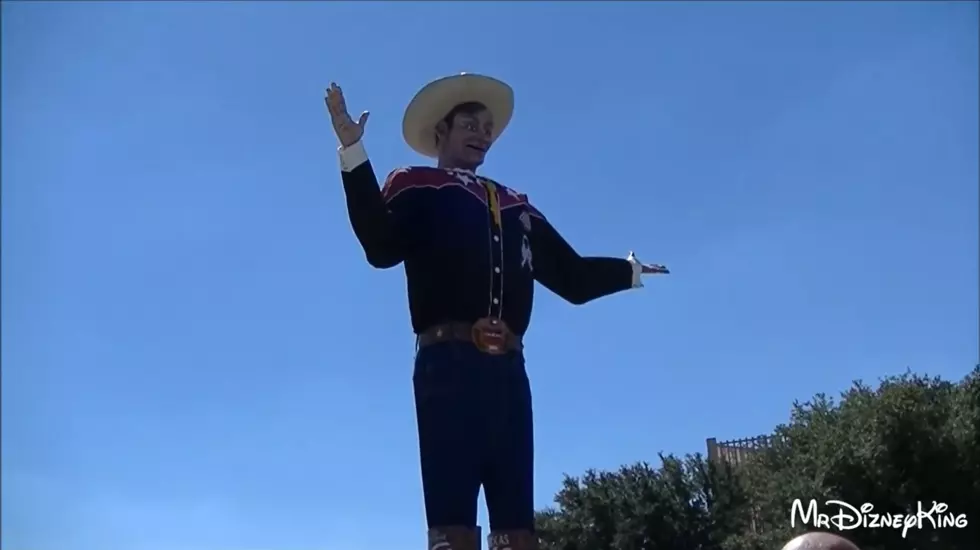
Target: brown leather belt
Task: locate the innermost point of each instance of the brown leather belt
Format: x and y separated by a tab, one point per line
489	335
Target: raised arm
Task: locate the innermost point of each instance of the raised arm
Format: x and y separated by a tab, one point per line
379	224
575	278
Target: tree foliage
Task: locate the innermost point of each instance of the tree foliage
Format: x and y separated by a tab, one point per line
912	439
682	504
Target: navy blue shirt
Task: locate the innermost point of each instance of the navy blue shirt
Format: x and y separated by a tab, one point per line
461	264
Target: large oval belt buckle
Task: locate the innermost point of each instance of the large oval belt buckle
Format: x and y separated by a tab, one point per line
490	335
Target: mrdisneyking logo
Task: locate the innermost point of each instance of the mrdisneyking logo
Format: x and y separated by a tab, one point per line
837	514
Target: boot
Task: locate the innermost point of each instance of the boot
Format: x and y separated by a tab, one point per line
512	540
454	538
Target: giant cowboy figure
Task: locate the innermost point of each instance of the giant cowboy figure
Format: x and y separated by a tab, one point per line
472	249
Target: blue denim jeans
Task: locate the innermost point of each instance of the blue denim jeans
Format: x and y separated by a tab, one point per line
475	428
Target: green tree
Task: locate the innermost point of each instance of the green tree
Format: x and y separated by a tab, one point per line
686	504
912	439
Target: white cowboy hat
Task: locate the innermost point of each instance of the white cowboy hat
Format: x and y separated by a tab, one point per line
433	102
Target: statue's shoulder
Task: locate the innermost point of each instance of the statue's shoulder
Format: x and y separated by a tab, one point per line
405	178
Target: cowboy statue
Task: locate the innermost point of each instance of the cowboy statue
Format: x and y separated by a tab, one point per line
472	249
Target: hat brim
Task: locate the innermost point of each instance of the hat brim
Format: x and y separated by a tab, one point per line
433	102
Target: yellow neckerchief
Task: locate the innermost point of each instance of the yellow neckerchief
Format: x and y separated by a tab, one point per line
494	200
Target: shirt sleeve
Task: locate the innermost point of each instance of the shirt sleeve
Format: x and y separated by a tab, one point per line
378	226
575	278
637	272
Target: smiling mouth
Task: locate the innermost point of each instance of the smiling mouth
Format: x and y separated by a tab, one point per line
478	148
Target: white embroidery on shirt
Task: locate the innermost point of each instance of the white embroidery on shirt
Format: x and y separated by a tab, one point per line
463	176
526	221
526	256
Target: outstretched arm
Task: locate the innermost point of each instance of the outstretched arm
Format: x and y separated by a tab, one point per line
379	225
575	278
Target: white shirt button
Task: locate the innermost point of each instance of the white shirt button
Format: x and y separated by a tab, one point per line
496	270
496	301
496	238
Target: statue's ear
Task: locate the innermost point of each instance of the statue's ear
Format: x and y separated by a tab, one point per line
441	130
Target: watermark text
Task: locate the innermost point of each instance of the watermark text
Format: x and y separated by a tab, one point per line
844	517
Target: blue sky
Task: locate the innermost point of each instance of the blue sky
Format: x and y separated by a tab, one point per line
197	356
